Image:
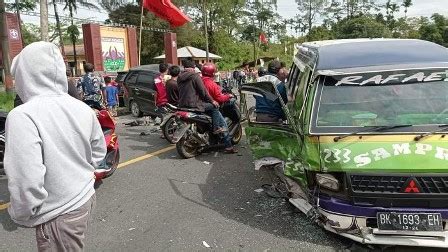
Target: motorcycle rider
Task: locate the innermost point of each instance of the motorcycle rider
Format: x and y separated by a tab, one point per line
267	110
214	90
192	94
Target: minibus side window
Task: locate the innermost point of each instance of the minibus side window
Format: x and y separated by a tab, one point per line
292	82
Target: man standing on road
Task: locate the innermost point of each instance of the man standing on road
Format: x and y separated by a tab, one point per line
53	144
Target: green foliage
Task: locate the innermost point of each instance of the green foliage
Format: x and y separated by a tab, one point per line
6	101
73	32
24	5
360	27
234	25
30	33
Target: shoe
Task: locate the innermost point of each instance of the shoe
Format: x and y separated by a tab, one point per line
231	150
219	131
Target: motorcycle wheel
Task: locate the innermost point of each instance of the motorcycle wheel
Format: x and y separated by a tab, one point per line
187	148
236	137
135	109
115	165
168	129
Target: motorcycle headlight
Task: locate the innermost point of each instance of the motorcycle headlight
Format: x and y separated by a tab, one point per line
327	181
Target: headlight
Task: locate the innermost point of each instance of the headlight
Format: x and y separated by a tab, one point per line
327	181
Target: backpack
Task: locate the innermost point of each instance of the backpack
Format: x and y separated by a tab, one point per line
88	87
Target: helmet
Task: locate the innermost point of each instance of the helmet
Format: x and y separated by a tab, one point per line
262	71
208	69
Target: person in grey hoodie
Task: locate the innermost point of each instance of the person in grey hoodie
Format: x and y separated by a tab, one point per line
53	144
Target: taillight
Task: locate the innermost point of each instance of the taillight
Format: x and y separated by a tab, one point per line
183	114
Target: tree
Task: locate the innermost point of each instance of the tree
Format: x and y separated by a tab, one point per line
152	41
361	27
311	8
30	33
7	78
73	30
406	4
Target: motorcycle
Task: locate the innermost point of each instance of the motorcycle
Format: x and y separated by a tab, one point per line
112	159
194	134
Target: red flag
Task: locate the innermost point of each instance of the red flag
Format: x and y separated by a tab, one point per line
263	38
166	10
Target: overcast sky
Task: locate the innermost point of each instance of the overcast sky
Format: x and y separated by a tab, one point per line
286	8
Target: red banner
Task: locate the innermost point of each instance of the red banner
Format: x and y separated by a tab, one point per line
166	10
263	38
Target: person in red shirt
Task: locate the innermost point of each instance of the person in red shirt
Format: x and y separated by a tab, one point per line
214	90
161	95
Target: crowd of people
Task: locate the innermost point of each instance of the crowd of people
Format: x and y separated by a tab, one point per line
50	173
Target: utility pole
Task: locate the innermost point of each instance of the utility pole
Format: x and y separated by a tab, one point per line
58	27
44	20
204	13
255	34
20	20
6	76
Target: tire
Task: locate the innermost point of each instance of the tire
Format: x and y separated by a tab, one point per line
236	138
135	109
115	166
184	150
168	129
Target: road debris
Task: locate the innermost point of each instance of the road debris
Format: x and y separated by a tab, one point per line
131	229
259	190
206	162
258	215
216	154
205	244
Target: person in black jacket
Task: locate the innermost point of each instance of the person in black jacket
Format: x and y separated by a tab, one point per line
193	94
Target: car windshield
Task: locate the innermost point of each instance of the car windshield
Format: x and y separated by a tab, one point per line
421	103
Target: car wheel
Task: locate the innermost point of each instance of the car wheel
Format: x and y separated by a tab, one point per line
135	109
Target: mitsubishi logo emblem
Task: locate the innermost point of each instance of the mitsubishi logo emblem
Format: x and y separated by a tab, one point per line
411	186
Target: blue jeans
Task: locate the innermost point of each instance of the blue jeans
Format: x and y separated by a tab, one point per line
218	121
217	118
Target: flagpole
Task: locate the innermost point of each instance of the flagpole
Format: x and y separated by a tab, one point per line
204	13
140	36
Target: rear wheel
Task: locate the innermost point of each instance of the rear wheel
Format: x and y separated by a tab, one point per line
187	148
135	109
114	166
236	137
169	128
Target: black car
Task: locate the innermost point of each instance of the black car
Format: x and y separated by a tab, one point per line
140	86
119	79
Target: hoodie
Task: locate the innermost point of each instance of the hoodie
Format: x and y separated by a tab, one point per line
192	92
53	141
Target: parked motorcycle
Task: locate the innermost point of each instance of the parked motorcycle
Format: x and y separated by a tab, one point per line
112	159
195	132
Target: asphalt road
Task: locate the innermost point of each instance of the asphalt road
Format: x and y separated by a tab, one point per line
161	202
